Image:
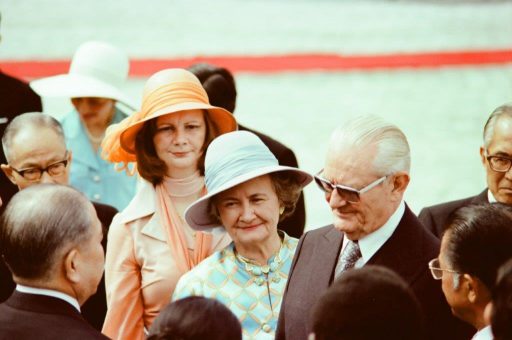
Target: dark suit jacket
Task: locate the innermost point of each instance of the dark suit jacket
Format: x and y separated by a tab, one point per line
407	252
293	225
29	316
95	308
434	218
16	97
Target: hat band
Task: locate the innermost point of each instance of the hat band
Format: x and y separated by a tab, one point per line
240	162
173	94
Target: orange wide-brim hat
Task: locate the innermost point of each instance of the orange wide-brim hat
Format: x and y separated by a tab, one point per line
166	92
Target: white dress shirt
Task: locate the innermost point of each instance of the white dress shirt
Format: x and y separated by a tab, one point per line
49	292
483	334
371	243
490	197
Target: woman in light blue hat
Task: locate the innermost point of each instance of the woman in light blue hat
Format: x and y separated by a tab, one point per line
248	194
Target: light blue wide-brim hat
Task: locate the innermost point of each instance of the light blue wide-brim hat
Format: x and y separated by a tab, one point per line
231	159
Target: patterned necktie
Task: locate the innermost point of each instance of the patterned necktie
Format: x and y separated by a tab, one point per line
348	259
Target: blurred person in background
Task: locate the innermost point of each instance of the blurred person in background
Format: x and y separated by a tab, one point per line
220	85
97	72
195	318
55	254
496	156
365	176
150	244
369	303
249	193
34	145
16	98
476	243
500	308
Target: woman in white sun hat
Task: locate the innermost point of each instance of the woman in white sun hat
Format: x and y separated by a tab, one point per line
97	72
248	194
150	246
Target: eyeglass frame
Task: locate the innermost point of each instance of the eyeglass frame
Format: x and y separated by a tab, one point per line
21	172
489	157
344	187
432	268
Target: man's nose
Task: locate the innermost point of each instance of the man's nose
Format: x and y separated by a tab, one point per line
335	200
46	178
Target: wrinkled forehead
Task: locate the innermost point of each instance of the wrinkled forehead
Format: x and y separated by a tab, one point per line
40	142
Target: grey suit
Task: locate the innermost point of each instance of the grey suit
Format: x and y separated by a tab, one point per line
407	252
434	218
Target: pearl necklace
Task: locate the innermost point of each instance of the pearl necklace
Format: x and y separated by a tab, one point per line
95	140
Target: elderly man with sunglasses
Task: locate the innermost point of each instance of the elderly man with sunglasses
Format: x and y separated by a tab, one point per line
496	155
365	176
35	149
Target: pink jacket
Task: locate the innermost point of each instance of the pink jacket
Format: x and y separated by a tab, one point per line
140	272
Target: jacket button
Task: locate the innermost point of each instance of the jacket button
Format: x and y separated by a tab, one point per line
266	328
96	197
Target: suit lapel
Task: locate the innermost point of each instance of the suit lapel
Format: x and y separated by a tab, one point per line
328	250
481	198
402	252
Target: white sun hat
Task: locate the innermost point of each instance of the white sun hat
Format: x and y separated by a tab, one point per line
97	69
231	159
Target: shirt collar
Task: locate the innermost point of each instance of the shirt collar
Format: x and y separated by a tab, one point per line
49	292
490	197
371	243
483	334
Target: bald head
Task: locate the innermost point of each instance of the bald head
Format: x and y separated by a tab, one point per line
26	127
33	235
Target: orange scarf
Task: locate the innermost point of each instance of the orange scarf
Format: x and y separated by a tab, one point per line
174	227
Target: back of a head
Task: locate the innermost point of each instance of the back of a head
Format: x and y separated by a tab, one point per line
366	303
218	83
501	319
38	224
195	318
480	239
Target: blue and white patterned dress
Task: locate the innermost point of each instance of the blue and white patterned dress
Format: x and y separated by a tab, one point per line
253	293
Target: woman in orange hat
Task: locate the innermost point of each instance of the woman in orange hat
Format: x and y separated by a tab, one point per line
150	244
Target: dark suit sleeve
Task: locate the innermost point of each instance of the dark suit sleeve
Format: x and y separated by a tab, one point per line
281	328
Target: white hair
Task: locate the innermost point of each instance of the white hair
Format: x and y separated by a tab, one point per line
504	110
393	153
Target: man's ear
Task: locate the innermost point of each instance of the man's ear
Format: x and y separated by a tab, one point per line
8	172
477	292
70	266
482	155
400	183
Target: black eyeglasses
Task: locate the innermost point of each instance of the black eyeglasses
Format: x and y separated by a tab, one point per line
499	163
35	174
437	271
348	194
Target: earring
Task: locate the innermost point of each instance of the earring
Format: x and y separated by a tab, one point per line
281	210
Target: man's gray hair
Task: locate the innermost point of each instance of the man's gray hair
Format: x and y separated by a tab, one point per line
504	110
393	153
40	224
30	119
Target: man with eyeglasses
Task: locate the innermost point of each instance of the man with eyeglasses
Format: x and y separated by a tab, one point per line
364	178
478	240
35	149
496	155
